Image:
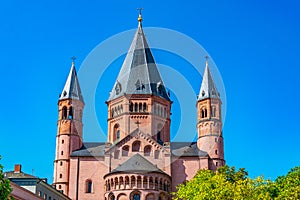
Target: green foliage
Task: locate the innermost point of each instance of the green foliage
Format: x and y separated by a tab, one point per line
5	188
229	183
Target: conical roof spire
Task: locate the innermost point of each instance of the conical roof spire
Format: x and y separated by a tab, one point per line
139	73
72	89
208	88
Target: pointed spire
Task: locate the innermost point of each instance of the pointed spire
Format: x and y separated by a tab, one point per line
139	73
208	88
72	89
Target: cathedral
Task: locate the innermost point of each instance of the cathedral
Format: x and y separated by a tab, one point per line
138	161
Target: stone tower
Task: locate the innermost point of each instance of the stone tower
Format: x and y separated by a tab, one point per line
139	98
209	123
69	129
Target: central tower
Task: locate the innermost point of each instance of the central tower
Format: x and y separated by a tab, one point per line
139	99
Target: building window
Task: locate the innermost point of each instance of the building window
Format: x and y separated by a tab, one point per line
61	163
61	153
131	107
203	113
136	146
217	164
60	175
216	152
135	107
45	196
62	141
136	197
89	185
116	132
64	112
147	150
125	150
70	113
40	194
59	187
144	107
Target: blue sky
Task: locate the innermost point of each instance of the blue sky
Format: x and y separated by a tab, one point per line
255	45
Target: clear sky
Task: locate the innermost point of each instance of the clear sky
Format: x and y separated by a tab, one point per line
254	44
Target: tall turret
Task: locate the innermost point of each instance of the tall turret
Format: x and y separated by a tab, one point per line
69	129
139	98
209	125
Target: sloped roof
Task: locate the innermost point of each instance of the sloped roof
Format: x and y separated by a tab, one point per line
90	149
137	164
189	149
71	89
12	175
208	88
139	73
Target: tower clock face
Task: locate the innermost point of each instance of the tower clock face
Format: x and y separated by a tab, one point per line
118	88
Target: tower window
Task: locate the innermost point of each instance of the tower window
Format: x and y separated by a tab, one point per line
70	113
118	134
64	112
136	197
62	153
59	187
135	107
89	185
140	107
131	107
216	152
60	175
62	141
203	113
61	163
217	164
144	107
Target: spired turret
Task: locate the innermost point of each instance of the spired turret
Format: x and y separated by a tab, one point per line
209	126
139	98
69	129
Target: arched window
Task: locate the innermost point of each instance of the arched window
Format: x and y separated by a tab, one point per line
89	186
140	107
60	175
136	197
144	107
131	107
136	146
64	112
125	150
158	134
112	112
147	150
135	107
116	135
70	113
203	113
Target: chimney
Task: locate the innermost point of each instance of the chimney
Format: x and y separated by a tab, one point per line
17	168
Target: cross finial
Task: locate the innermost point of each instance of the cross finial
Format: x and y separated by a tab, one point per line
140	19
138	123
206	58
73	58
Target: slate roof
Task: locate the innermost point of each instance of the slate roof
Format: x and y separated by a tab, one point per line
90	149
208	88
189	149
71	89
179	149
137	164
139	73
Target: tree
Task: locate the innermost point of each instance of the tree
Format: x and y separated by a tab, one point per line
225	183
5	188
289	186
